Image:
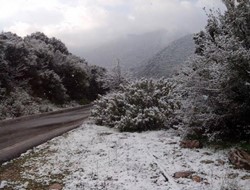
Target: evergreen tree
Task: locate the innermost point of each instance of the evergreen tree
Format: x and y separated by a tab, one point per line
41	69
96	82
219	83
115	78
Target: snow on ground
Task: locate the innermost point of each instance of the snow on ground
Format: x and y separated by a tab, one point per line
96	157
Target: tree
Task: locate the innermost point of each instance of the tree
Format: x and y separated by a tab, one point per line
2	70
115	78
219	83
96	82
48	85
75	79
14	61
41	69
58	46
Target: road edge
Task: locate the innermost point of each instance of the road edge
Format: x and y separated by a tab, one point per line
16	150
23	118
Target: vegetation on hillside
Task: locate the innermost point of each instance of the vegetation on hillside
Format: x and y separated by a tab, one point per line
167	61
219	75
36	71
214	88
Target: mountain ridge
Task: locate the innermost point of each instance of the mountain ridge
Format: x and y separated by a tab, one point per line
168	60
130	50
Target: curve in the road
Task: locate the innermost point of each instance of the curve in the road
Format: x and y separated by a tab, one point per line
19	135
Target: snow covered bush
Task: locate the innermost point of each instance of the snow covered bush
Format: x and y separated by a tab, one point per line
18	103
218	82
138	106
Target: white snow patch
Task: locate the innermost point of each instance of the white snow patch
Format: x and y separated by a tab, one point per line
96	157
3	184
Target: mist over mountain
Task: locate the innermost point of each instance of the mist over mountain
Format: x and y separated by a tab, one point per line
168	60
130	50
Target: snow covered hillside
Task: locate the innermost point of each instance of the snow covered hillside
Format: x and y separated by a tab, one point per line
168	60
130	50
39	74
95	157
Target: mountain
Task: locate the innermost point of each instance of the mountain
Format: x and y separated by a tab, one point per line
130	50
168	60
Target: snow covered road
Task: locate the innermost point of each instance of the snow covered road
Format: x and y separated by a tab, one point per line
96	157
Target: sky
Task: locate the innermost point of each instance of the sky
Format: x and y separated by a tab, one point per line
88	23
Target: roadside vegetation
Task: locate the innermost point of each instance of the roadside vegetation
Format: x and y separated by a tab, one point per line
213	89
138	106
39	74
206	103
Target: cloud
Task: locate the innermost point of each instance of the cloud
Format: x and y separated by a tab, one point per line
89	23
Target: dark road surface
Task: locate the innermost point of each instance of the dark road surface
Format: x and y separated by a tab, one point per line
17	136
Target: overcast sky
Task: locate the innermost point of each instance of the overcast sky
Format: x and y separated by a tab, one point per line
91	22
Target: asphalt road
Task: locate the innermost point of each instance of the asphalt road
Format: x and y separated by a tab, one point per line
17	136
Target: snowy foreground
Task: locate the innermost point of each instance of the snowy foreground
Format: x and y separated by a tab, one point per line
95	157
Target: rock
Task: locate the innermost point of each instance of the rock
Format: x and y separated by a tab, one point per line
191	144
240	159
220	162
178	155
105	134
207	153
183	174
232	175
196	178
207	161
246	177
171	143
55	186
206	183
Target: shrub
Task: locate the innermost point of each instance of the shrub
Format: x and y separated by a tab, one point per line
17	104
138	106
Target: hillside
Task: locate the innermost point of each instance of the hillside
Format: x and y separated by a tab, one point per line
37	71
167	61
130	50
